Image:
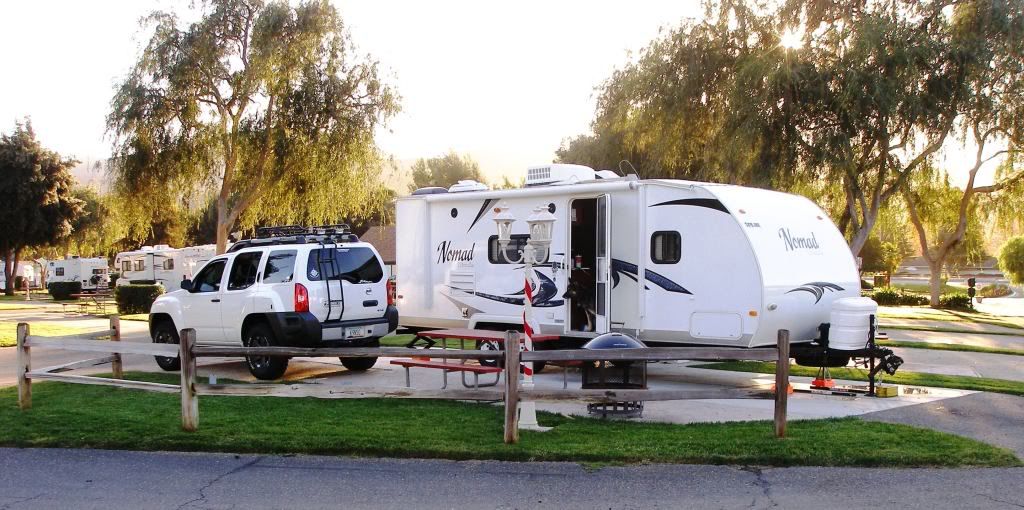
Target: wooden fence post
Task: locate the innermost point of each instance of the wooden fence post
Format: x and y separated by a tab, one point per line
782	383
116	367
24	360
511	387
189	402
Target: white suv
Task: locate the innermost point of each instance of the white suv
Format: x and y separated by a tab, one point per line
290	286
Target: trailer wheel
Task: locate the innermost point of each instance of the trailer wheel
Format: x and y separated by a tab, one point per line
487	345
830	360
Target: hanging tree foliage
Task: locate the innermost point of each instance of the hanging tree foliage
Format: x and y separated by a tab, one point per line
267	105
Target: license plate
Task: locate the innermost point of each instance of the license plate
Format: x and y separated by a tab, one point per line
355	332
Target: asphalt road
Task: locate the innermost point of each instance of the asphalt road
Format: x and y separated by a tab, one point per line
109	479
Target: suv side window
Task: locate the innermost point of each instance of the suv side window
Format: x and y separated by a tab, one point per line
243	270
208	279
355	265
280	267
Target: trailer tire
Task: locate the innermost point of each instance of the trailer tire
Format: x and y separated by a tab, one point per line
164	333
829	360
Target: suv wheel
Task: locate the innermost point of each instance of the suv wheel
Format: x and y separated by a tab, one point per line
360	364
265	368
164	333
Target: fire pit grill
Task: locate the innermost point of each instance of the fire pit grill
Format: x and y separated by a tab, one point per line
612	375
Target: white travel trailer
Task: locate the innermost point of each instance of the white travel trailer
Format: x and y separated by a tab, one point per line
92	272
26	270
162	264
666	261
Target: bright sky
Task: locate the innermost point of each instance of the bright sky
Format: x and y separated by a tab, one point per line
504	83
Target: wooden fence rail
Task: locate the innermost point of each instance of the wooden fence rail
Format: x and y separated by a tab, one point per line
511	393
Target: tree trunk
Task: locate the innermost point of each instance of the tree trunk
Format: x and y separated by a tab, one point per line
935	281
222	224
860	237
10	271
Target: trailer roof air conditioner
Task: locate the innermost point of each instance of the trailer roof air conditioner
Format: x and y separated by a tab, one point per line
559	174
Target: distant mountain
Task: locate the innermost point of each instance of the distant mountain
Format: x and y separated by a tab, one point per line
91	175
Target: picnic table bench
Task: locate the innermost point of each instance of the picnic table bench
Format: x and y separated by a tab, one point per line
98	301
462	335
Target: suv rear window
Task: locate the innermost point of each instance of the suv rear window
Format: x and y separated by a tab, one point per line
280	267
355	265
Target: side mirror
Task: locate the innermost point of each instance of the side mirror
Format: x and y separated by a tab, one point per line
186	285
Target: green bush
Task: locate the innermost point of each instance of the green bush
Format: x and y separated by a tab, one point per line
1011	260
64	290
888	296
136	298
113	279
994	290
956	301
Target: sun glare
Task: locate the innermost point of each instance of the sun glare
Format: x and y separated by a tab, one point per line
792	39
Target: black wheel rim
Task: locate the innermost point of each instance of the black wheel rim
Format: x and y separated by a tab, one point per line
164	337
488	345
258	362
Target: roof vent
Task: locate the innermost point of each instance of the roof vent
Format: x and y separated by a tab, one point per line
469	185
558	174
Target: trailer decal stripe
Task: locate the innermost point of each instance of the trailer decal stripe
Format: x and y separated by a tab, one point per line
480	213
710	203
630	270
817	289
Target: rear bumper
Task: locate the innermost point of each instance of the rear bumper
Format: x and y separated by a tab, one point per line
302	329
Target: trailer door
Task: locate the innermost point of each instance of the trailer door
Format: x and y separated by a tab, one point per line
603	264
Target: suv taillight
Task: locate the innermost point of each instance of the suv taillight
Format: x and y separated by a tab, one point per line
391	293
301	298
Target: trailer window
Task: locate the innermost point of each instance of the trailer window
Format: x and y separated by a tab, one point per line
354	265
516	244
280	267
140	265
243	270
126	265
59	271
99	271
168	264
666	247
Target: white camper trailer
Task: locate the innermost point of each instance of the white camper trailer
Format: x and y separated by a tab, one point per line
26	270
666	261
91	272
162	264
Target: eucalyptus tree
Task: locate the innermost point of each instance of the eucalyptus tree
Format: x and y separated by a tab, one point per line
444	171
862	94
267	105
38	207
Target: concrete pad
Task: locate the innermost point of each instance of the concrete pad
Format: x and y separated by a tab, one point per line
975	364
973	327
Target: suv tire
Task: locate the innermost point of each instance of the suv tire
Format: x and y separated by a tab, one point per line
164	333
360	364
264	368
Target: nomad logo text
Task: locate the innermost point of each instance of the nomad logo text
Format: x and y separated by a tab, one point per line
798	243
446	253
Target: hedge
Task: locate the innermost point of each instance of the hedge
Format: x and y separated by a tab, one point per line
64	290
888	296
136	298
956	301
995	290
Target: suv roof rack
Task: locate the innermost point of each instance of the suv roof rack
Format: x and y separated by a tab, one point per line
297	234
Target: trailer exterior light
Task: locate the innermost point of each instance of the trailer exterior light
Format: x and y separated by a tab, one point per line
541	223
504	219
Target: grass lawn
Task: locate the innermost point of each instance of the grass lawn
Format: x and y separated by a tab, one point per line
925	313
81	416
9	331
20	296
959	382
948	347
924	288
939	329
16	306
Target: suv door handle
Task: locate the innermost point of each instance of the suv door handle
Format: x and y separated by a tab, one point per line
215	300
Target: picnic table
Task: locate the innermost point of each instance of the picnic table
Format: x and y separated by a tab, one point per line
481	336
99	301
